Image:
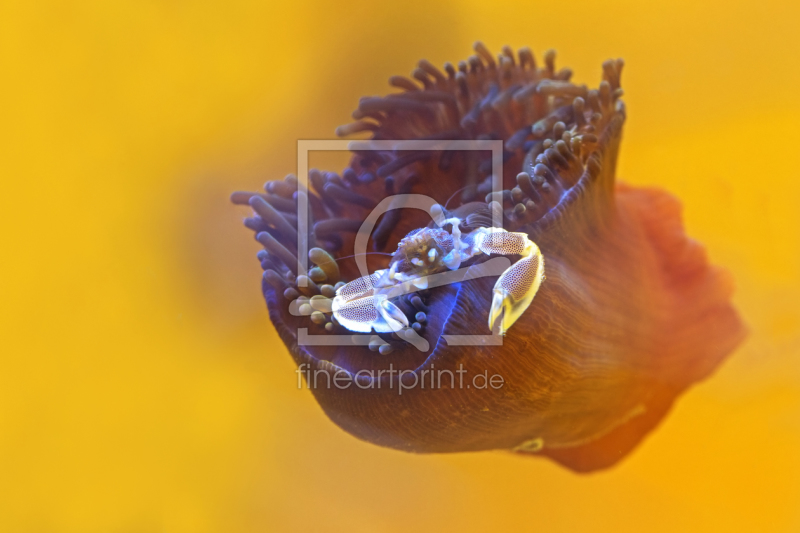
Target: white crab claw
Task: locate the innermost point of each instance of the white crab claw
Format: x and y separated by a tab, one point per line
356	315
499	311
515	289
393	317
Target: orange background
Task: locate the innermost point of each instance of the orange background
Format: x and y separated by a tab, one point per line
142	386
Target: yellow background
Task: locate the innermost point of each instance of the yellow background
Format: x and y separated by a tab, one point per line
142	387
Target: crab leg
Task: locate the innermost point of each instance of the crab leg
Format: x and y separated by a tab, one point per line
516	287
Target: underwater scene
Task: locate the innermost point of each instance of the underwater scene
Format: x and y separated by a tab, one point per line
422	266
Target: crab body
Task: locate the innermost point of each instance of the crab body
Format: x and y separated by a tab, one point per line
365	304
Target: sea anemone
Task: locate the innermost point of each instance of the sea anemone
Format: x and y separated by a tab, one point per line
629	314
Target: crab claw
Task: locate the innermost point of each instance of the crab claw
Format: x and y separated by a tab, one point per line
515	289
358	314
393	318
366	313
